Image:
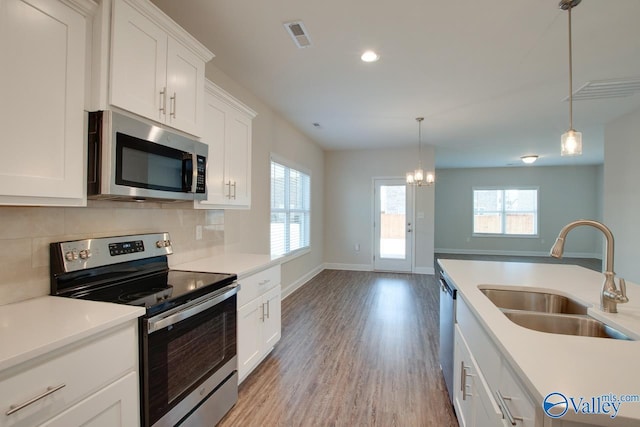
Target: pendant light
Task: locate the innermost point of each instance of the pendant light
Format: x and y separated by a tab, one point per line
571	141
417	177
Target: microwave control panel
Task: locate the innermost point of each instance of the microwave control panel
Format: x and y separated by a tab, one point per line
201	168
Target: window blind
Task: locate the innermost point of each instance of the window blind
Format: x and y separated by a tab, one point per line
290	209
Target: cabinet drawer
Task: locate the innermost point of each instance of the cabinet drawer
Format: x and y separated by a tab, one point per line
517	399
257	284
83	368
481	346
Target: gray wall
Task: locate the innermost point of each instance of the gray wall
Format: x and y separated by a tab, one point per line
249	230
349	205
565	194
621	195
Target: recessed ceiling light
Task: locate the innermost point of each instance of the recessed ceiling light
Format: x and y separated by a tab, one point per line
370	56
529	158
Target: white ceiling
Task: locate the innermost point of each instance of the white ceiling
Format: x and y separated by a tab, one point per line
490	77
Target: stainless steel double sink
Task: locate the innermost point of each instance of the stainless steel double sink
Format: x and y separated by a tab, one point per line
548	312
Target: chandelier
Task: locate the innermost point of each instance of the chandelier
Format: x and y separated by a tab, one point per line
418	177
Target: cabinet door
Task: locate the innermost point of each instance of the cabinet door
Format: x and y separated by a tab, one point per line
114	406
138	64
249	336
42	155
185	88
238	159
272	319
463	395
215	113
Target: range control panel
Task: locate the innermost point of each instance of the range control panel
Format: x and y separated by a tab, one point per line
121	248
81	254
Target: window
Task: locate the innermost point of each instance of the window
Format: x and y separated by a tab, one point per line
506	211
290	209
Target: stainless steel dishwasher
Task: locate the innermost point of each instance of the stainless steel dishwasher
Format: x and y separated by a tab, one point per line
447	324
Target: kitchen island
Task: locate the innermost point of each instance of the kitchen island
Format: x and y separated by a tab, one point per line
544	363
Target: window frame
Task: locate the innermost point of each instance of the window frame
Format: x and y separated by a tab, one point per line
289	165
503	212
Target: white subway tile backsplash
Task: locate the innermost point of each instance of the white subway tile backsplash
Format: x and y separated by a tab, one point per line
25	234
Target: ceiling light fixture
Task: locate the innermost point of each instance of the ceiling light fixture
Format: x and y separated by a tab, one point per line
370	56
417	177
528	159
571	141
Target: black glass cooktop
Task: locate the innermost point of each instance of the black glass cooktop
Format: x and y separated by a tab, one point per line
160	291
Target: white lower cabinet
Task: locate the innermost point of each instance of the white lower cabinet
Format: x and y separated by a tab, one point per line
113	406
473	401
93	382
259	318
486	391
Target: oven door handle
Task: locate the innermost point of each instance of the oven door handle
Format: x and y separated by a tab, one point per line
163	320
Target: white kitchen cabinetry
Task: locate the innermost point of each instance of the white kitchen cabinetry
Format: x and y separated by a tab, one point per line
486	391
227	131
93	382
474	404
157	69
259	318
43	46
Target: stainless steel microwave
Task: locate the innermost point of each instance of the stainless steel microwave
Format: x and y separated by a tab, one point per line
132	160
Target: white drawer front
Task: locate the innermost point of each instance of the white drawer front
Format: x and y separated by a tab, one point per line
82	368
257	284
483	350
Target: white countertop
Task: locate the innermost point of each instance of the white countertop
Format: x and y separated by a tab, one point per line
37	326
241	264
572	365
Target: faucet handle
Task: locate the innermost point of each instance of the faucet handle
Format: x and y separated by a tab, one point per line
623	289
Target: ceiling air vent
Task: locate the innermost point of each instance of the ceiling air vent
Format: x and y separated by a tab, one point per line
298	33
602	89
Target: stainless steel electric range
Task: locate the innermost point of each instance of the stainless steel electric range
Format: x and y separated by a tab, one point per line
188	360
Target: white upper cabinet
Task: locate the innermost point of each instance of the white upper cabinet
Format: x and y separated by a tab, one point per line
227	131
42	81
157	69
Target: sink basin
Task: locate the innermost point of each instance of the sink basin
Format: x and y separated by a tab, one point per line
533	301
564	324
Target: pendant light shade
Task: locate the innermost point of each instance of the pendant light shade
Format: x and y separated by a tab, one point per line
571	141
418	177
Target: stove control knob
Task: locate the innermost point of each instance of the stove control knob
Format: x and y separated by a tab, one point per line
85	253
68	256
160	243
167	242
75	255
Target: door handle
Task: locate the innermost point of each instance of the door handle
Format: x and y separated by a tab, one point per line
173	105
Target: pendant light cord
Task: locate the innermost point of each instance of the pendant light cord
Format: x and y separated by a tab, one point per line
420	144
570	74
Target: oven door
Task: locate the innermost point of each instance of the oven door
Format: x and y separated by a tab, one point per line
187	353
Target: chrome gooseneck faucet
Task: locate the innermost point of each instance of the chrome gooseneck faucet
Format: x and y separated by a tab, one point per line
610	295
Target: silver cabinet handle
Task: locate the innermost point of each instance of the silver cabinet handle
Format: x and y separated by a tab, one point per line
263	312
234	190
505	409
50	390
228	184
268	310
163	100
264	282
173	105
463	381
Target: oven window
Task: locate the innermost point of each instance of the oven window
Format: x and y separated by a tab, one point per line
145	164
183	355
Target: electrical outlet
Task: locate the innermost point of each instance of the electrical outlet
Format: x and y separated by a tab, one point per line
198	232
356	247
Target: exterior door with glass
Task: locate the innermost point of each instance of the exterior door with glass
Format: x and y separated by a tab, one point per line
393	225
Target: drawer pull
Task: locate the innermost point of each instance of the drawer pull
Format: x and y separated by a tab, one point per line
505	409
50	390
264	282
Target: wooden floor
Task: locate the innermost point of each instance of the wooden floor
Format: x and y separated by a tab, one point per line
357	349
